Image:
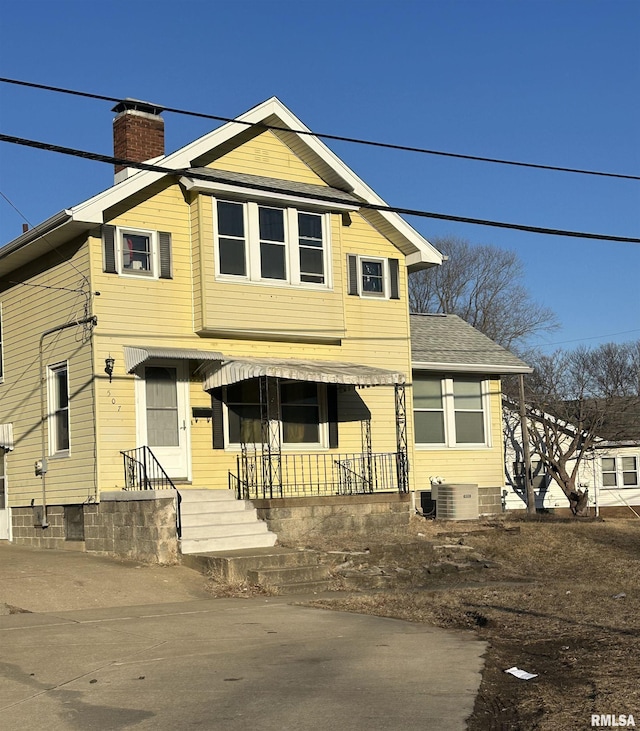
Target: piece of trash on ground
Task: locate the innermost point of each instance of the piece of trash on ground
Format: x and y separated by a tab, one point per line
622	595
522	674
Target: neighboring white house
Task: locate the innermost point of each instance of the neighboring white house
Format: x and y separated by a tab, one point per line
610	470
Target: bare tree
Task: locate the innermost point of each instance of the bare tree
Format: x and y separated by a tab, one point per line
482	285
575	398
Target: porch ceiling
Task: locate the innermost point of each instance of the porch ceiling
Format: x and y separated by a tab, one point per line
233	371
133	357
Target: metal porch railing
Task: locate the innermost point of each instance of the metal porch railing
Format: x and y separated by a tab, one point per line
142	471
316	474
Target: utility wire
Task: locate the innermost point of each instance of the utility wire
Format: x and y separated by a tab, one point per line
322	135
316	196
51	246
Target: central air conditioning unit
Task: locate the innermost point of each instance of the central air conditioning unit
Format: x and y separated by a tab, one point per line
456	502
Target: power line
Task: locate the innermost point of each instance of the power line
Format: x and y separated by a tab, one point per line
51	246
322	135
316	196
589	337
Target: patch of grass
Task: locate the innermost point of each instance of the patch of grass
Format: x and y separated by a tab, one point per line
568	621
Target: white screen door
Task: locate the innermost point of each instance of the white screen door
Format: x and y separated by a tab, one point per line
162	416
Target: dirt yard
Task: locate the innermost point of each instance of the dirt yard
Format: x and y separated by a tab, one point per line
559	598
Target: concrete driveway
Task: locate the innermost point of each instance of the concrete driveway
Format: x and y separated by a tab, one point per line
188	663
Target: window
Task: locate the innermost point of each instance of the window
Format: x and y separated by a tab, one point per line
300	412
269	244
58	386
619	471
136	252
450	411
373	277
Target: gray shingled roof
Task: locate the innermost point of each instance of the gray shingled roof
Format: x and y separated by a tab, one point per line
446	342
307	190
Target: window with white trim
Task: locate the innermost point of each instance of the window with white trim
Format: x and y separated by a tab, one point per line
619	471
302	409
373	276
450	412
263	243
58	392
137	252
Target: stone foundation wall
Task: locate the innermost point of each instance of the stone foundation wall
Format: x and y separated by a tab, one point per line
135	525
294	519
490	500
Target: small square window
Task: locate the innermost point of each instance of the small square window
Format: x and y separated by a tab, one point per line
372	277
137	253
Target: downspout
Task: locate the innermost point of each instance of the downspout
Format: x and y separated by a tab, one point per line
91	320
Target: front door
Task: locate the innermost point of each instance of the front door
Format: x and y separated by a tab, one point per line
4	510
163	423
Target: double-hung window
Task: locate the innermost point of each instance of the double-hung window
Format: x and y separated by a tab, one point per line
619	471
137	252
373	276
271	244
58	388
300	416
451	412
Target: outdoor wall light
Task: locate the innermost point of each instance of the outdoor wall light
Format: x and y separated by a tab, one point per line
108	366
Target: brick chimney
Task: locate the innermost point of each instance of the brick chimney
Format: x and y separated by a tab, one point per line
138	132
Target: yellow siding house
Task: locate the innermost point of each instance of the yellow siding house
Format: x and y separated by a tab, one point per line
228	324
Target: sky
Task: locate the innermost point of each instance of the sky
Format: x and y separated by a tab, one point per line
553	82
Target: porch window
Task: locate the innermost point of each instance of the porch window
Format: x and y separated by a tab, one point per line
58	391
450	411
231	239
299	417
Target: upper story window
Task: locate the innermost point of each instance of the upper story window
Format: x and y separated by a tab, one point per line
263	243
58	392
137	252
619	471
452	412
373	276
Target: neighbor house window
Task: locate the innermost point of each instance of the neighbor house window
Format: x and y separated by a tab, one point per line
58	387
270	244
619	471
299	417
136	253
450	411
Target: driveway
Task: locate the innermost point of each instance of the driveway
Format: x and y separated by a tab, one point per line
179	662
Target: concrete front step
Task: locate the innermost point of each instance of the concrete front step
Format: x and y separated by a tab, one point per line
288	575
226	543
223	518
223	530
286	570
213	520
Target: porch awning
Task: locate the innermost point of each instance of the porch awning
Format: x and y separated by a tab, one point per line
242	369
6	436
133	357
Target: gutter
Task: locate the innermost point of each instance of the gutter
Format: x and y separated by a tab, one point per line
42	229
486	368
